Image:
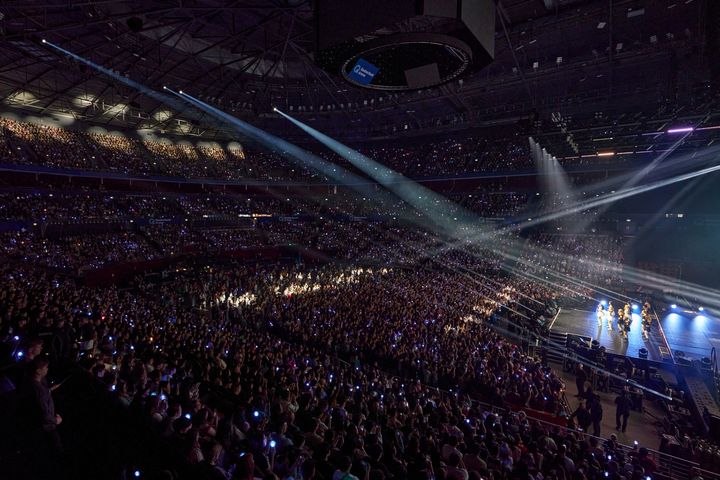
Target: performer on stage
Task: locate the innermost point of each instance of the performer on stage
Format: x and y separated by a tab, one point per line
626	327
600	312
646	320
610	316
627	320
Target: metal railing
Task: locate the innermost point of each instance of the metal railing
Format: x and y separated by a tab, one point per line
669	467
662	333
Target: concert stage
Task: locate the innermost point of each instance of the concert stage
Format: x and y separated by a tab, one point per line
678	331
692	333
584	323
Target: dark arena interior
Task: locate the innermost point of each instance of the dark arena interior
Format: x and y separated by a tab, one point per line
359	240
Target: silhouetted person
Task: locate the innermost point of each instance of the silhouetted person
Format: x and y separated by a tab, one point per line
584	419
596	413
39	421
622	411
580	379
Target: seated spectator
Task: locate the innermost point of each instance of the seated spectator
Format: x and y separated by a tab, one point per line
343	469
455	469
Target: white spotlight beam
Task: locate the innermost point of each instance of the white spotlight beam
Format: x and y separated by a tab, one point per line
298	155
455	221
421	198
385	176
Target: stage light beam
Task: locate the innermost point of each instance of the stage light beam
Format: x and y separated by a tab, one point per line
388	177
299	156
446	216
149	92
156	95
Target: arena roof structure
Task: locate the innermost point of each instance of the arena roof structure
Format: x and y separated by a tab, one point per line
248	56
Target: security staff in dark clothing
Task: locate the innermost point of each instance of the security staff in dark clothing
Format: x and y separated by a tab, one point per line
580	379
596	413
622	411
583	417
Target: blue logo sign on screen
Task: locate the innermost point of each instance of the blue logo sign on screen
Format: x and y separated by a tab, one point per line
363	72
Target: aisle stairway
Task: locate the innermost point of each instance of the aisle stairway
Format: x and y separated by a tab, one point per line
555	341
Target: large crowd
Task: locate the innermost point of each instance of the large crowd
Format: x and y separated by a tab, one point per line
391	355
76	253
576	256
468	154
321	383
87	230
471	154
286	372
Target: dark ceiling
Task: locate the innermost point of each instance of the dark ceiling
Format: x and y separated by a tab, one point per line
247	56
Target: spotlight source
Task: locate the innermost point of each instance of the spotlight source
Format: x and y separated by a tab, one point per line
180	92
701	309
673	306
44	41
